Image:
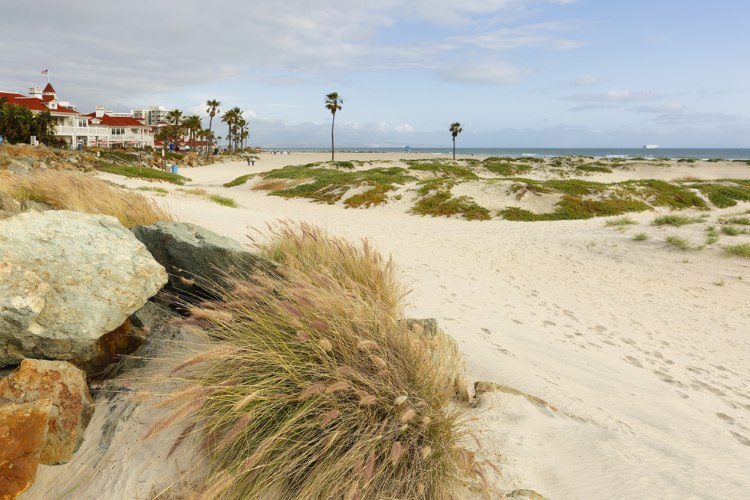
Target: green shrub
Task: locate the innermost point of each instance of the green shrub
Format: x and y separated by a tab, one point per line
661	193
442	203
504	167
640	237
594	167
328	185
724	196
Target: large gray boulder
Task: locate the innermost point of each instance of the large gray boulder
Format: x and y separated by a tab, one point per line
198	260
67	280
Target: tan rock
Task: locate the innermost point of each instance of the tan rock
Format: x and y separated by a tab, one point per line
23	432
65	385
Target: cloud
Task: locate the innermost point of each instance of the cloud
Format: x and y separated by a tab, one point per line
105	53
589	80
498	72
676	113
616	96
543	35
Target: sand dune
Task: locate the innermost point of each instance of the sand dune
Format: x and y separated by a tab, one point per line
639	350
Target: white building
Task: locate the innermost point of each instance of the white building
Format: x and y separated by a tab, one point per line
95	129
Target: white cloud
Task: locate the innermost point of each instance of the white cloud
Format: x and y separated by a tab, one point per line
494	73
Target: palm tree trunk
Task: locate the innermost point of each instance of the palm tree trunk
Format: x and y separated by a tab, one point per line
333	121
210	123
454	147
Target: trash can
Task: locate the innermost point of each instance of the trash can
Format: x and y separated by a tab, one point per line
174	169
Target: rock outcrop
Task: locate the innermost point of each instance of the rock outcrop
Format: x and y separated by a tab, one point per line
197	259
67	279
23	432
63	384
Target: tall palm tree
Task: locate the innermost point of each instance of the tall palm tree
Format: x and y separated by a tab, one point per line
174	117
213	110
193	124
455	130
230	118
333	104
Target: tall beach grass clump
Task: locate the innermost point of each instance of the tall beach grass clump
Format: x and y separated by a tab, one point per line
83	193
313	385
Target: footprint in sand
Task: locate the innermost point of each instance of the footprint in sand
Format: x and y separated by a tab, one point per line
725	418
633	361
740	438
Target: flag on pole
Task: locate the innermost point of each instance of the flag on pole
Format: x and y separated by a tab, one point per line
45	71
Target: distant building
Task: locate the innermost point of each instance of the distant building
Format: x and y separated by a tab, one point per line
103	128
154	116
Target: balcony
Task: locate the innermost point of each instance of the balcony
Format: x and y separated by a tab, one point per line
82	131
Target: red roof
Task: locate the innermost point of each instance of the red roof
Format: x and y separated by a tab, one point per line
49	88
116	121
34	103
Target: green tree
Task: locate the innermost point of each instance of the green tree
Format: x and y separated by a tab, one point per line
16	123
44	128
213	110
174	118
333	103
455	130
193	124
232	118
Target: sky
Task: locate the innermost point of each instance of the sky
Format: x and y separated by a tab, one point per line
514	73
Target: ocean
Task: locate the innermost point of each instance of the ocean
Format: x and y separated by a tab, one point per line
674	153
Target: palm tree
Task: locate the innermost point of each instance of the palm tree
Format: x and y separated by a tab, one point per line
333	104
175	118
213	110
193	124
455	130
229	117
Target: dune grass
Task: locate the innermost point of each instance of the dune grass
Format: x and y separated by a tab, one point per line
725	193
242	179
676	220
678	242
741	250
712	235
312	386
733	230
153	189
594	167
505	166
575	207
443	203
640	237
326	185
142	173
740	221
193	191
620	222
83	193
223	200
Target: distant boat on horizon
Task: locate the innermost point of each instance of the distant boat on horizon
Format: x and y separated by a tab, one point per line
651	146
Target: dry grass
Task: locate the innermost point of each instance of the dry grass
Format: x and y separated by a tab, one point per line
316	388
277	184
82	193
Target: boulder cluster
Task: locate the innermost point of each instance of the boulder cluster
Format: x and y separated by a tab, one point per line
79	293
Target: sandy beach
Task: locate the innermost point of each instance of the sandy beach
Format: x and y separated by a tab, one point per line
638	351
